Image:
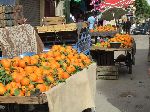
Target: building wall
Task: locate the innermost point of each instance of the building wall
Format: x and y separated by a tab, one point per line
7	2
34	10
31	11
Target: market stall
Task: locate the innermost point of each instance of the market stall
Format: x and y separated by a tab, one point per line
103	31
104	50
56	31
62	77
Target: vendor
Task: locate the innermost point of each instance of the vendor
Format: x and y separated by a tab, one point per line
91	21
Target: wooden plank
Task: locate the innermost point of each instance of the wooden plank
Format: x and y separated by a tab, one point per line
107	68
110	49
41	29
53	20
108	77
107	73
23	99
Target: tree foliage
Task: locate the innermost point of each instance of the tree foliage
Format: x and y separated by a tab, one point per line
142	9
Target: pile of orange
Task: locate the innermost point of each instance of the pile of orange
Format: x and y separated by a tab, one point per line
103	44
105	28
125	40
24	76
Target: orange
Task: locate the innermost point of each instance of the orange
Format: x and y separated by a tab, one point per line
2	89
65	75
22	63
50	78
25	81
33	77
31	86
29	69
41	87
27	59
21	93
5	63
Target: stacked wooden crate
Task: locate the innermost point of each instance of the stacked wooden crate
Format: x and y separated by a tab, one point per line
106	68
10	15
107	72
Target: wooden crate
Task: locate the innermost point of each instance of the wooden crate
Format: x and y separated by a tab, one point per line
107	72
53	21
41	29
50	28
103	58
24	99
70	27
58	28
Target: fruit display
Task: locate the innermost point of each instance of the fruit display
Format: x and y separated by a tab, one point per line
125	40
39	73
105	28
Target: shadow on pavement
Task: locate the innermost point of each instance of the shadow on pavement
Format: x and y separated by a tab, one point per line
124	94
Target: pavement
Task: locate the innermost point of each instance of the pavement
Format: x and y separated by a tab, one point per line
125	95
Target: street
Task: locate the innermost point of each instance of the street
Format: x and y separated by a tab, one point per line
125	95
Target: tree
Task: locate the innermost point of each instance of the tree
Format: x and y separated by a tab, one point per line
142	9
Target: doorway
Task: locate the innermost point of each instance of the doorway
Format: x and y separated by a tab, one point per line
49	10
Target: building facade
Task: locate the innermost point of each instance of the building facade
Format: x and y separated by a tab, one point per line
35	10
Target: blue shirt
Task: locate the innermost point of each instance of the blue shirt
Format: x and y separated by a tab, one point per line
91	21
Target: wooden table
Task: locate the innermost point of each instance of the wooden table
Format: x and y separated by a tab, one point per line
105	57
61	33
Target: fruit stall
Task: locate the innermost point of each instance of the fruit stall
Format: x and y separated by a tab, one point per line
104	53
103	31
56	31
61	76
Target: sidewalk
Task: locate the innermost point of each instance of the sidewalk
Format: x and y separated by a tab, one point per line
125	95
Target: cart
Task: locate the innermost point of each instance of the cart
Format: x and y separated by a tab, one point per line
105	57
63	92
18	104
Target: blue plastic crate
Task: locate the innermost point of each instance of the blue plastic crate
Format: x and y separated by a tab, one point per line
84	44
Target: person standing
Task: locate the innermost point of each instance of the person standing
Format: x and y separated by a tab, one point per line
91	21
128	26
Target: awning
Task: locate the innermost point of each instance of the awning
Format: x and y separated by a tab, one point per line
112	4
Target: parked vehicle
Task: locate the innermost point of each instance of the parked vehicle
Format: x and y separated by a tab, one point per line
141	29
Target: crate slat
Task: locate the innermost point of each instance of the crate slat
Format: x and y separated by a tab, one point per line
107	72
53	20
107	68
108	77
23	99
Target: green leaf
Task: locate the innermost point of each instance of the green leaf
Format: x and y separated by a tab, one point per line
46	67
7	93
55	71
60	62
16	92
35	92
61	81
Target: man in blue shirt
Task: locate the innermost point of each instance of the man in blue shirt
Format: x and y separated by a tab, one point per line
91	20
